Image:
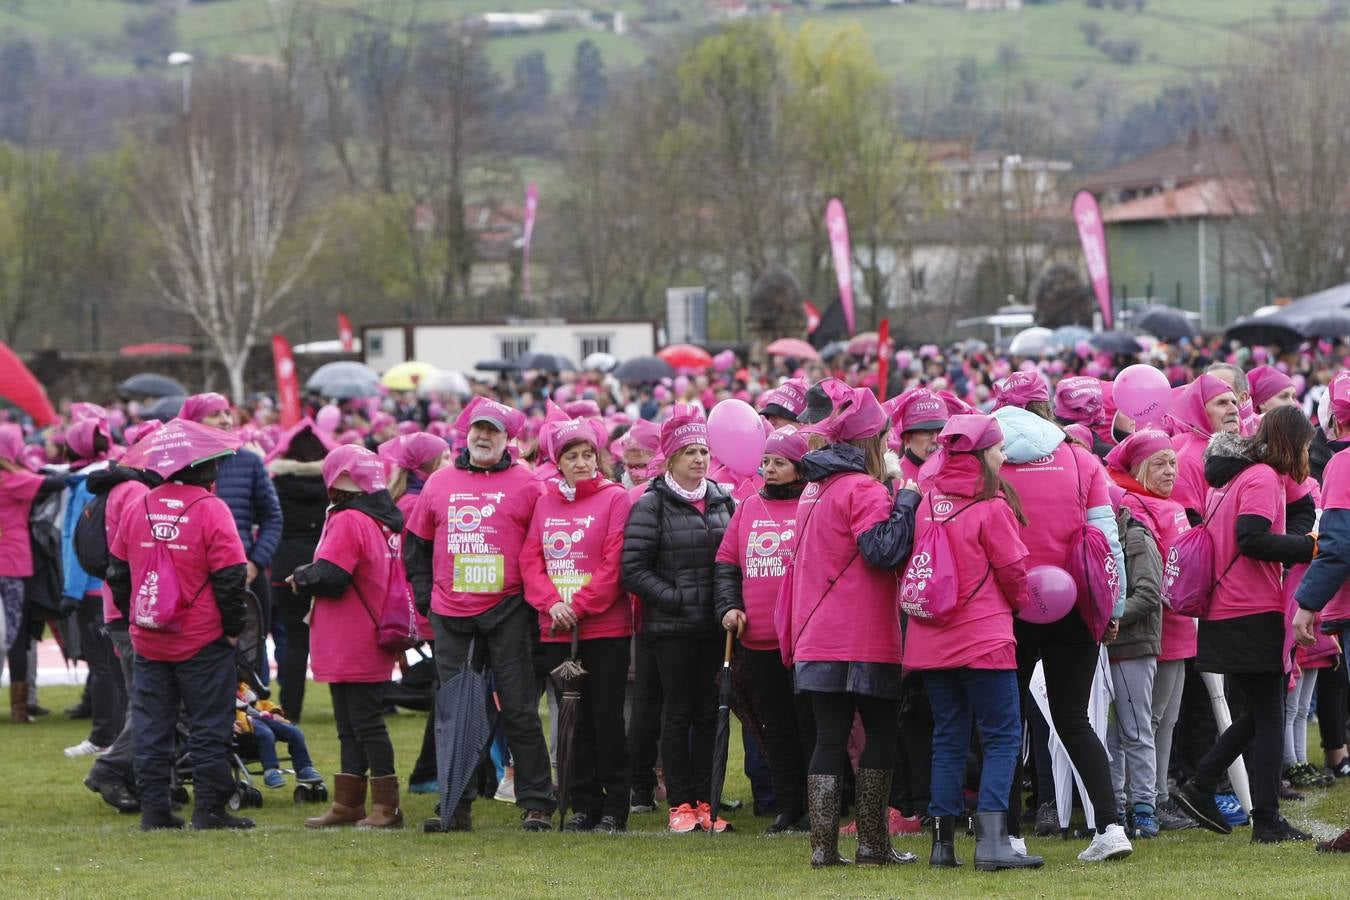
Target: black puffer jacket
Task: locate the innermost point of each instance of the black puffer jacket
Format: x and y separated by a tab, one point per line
668	553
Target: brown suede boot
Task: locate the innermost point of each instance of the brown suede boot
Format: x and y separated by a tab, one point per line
18	703
384	810
349	803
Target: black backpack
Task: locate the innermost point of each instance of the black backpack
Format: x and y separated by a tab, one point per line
91	537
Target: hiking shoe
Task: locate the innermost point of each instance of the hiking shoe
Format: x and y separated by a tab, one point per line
85	747
1317	776
1341	844
155	821
1146	821
114	792
274	779
1047	819
641	801
1172	819
218	819
1232	810
536	820
506	788
609	825
683	819
581	822
424	787
1203	808
705	822
1277	833
1302	775
1112	844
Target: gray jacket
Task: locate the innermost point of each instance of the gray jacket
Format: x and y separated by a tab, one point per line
1141	623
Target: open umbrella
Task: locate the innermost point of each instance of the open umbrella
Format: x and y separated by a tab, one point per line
1031	342
600	361
793	347
179	444
548	362
686	356
408	376
1163	322
863	344
150	384
568	679
444	382
498	365
722	736
643	369
19	386
830	351
1116	342
463	734
1066	337
344	381
163	409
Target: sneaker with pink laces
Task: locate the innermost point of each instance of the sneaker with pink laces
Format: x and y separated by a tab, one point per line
705	821
683	819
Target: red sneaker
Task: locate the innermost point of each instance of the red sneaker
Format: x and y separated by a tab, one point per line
850	830
683	819
705	819
903	824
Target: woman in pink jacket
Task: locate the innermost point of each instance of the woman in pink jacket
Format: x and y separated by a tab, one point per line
969	661
570	566
842	625
750	566
917	417
349	581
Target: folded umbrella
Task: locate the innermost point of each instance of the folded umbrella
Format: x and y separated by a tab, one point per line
1223	719
179	444
463	734
569	677
722	736
151	384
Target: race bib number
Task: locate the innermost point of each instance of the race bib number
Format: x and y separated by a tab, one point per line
480	573
568	583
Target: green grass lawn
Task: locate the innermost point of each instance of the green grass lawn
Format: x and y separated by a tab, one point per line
58	839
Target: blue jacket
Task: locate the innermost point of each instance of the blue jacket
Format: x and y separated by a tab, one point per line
244	485
1327	573
75	581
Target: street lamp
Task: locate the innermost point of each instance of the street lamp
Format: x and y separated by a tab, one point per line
184	61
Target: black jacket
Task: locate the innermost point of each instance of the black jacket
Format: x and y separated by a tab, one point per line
304	504
322	578
668	553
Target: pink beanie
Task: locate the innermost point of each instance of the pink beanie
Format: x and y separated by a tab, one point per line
1129	453
360	464
199	406
686	426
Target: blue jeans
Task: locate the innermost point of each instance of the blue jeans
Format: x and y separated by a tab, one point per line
268	732
991	696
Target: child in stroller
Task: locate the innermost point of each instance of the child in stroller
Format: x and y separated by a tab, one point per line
264	722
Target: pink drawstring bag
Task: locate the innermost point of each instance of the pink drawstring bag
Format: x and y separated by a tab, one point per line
929	589
1094	570
157	604
1188	571
398	626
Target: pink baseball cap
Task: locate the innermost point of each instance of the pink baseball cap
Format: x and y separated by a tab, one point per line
786	442
919	409
787	401
1019	389
359	464
498	415
590	430
1266	382
1129	453
686	426
1079	399
199	406
970	433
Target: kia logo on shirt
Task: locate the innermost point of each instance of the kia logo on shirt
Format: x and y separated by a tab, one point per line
942	507
164	531
1041	460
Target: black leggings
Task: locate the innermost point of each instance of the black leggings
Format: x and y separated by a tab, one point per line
1070	657
1260	728
358	709
688	668
1331	691
292	611
834	720
788	727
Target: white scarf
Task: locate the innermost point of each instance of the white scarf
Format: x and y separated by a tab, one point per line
693	496
568	491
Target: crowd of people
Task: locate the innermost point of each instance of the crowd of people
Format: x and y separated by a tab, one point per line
886	571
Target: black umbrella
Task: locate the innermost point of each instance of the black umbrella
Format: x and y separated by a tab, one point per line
163	409
568	679
1115	342
722	737
149	384
463	734
1329	325
643	369
1163	322
344	380
498	365
548	362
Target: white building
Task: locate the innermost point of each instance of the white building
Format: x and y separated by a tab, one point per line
458	346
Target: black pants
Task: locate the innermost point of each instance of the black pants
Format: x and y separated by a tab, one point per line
509	652
291	610
203	687
1196	730
644	720
911	790
358	710
107	692
834	720
787	724
262	589
688	668
599	761
1260	727
1331	691
1070	657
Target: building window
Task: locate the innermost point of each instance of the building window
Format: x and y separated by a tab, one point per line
376	344
515	347
594	343
918	277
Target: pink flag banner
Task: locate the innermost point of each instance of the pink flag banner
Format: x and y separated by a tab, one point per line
836	224
346	335
531	208
1092	233
288	383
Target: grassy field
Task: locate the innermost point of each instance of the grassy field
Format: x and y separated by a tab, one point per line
58	839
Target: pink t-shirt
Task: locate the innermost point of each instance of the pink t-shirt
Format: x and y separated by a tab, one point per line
17	490
857	619
119	498
759	541
1250	586
1056	492
1166	521
984	535
343	630
199	532
476	522
573	552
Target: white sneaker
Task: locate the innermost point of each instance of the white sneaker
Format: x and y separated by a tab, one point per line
1018	844
506	788
1111	845
85	748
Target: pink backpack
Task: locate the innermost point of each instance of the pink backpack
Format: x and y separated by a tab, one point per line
1188	570
157	603
399	625
930	589
1093	568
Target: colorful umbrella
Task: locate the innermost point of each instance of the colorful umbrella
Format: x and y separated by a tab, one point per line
19	386
792	347
179	444
408	376
686	356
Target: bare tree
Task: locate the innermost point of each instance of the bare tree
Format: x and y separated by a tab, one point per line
35	224
221	196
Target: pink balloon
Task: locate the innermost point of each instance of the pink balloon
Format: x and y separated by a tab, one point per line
1051	593
903	358
328	418
1142	393
1083	349
1259	355
681	384
1093	368
736	437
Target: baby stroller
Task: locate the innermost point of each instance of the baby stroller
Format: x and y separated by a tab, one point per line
249	654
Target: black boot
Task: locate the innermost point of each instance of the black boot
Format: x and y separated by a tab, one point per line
944	843
211	820
874	832
992	849
113	790
153	820
822	802
787	822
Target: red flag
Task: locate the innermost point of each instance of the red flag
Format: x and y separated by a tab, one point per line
836	223
345	333
531	208
19	386
883	358
812	316
288	386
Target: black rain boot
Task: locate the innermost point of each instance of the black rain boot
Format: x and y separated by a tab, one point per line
822	803
154	820
944	843
992	849
874	832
